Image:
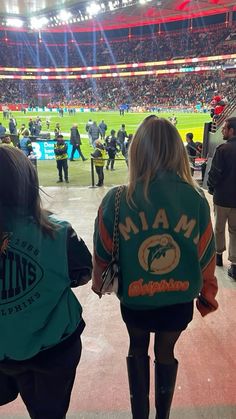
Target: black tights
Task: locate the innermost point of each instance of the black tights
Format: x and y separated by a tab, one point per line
163	346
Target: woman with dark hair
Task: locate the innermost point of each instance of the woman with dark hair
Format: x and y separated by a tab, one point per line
41	258
164	223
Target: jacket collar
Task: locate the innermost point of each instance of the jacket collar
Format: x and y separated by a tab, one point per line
231	139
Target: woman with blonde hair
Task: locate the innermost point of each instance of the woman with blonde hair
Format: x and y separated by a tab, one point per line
164	223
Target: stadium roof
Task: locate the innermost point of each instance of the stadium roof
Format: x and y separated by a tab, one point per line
114	13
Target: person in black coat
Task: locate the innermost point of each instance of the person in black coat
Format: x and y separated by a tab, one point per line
12	127
121	136
111	148
75	141
191	150
221	184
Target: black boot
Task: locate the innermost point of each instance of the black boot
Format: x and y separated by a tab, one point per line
165	378
219	260
232	272
139	377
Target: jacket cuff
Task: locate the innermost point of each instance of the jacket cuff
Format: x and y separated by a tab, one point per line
205	306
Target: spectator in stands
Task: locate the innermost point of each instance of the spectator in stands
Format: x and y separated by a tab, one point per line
25	143
60	150
163	218
218	106
182	92
40	343
75	141
221	183
99	155
2	130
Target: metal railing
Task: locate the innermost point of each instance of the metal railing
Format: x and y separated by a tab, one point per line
93	171
225	114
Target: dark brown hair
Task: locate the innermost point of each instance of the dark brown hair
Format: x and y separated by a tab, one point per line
19	188
231	123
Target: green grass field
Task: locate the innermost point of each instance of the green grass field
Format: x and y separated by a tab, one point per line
80	172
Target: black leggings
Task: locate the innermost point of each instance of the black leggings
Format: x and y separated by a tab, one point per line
163	346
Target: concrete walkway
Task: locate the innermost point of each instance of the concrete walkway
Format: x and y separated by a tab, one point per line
206	382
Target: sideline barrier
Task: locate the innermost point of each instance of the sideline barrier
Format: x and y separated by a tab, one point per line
44	150
93	172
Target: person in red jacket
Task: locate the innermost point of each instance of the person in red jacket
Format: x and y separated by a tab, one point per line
218	106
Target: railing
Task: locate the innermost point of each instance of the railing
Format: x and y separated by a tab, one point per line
226	113
93	171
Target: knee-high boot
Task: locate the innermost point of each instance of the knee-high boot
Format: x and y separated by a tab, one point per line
165	378
139	384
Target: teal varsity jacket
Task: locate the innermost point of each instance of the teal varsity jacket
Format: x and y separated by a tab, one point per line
38	309
167	249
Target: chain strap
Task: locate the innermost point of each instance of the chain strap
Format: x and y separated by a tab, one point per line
115	239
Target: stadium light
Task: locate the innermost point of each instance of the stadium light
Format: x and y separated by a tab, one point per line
110	5
38	23
93	9
17	23
64	15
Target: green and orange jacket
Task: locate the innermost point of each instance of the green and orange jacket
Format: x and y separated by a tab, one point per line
38	309
166	246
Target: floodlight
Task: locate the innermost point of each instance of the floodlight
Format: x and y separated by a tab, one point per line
17	23
93	9
38	23
110	5
64	15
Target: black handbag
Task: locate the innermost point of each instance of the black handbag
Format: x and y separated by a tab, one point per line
111	276
8	389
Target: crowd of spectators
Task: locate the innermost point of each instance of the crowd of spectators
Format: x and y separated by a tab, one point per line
164	46
186	90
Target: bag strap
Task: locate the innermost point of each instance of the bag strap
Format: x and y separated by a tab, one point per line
115	238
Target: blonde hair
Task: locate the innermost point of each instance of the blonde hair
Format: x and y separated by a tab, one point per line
156	146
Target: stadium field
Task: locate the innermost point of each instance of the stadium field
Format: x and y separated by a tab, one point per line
80	172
